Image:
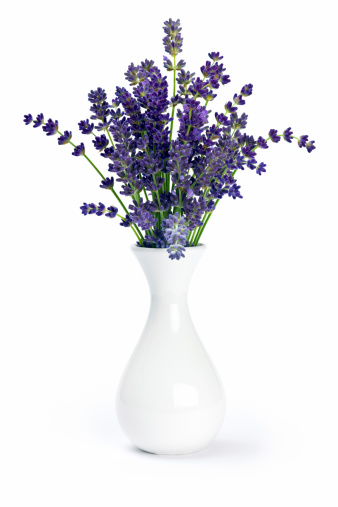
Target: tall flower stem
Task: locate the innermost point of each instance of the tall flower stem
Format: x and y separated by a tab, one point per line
167	176
113	145
134	227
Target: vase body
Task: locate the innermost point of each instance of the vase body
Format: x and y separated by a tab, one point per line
170	399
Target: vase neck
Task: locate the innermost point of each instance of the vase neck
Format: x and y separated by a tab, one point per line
165	276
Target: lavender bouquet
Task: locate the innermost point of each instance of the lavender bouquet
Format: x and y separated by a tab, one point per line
174	184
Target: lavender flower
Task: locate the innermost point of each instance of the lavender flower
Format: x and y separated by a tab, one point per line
215	56
39	121
274	136
287	135
79	150
247	90
100	142
97	96
302	141
310	146
126	221
108	183
238	99
65	138
112	212
173	185
175	233
261	168
173	40
86	127
98	209
262	143
28	118
51	127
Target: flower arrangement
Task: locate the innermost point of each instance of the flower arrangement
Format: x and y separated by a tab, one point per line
174	184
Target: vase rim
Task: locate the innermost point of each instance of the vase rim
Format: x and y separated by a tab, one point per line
138	248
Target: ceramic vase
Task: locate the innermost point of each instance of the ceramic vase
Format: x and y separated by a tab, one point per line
170	399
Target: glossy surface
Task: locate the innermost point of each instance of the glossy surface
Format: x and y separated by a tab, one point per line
170	399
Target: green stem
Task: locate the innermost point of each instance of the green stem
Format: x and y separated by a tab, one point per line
199	234
139	234
134	231
167	176
110	138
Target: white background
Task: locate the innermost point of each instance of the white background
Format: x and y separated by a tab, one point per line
74	300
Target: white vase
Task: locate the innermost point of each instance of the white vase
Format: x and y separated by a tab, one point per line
170	399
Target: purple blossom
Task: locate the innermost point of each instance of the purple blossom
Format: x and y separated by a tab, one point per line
98	209
86	127
234	192
175	233
108	183
274	136
261	142
302	141
310	146
28	118
230	108
287	135
182	177
100	142
97	96
38	121
261	168
247	90
141	216
126	221
90	209
79	150
51	127
173	40
238	99
112	212
65	138
215	56
100	111
108	152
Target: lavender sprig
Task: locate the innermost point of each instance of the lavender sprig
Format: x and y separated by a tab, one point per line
169	187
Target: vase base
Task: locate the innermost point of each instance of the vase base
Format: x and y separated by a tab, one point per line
171	434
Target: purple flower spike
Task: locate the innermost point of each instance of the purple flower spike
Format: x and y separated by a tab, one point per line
234	192
86	127
274	136
28	118
100	142
310	146
51	127
39	120
112	212
100	209
97	209
175	233
238	99
108	183
127	221
65	138
173	41
261	168
97	96
247	90
262	143
287	135
230	108
302	141
215	57
225	80
79	150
